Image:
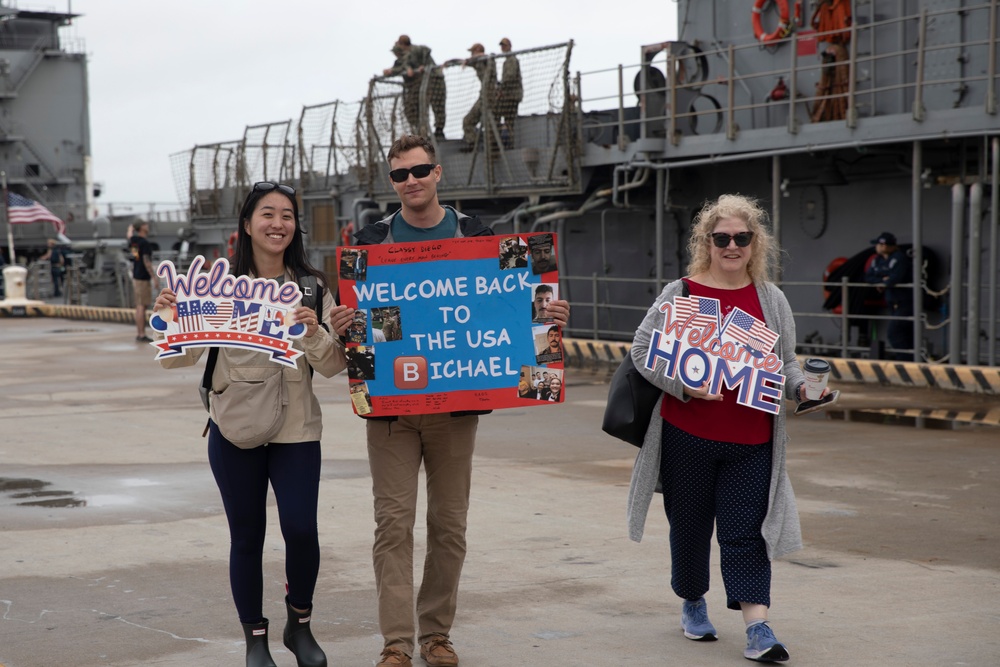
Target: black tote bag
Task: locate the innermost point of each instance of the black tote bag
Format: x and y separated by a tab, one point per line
631	399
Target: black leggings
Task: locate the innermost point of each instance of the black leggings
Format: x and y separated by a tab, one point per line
709	484
242	476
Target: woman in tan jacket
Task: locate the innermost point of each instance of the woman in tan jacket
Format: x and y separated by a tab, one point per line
269	245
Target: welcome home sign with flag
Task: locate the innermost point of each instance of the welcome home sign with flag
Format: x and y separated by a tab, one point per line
218	309
21	210
734	352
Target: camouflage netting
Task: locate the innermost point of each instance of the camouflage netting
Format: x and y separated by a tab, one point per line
494	107
328	139
514	132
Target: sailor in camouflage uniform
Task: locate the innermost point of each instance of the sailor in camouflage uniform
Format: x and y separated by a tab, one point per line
487	72
413	62
510	92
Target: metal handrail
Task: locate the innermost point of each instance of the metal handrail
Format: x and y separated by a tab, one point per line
796	68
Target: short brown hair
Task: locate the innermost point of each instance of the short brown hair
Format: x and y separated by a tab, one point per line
408	142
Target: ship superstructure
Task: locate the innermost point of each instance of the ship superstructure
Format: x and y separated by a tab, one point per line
845	119
44	122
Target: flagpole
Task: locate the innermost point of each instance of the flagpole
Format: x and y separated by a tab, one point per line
6	218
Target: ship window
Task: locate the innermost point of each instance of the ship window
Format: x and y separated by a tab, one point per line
32	170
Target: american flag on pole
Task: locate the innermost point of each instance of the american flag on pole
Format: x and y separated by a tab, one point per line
189	316
748	330
704	309
21	210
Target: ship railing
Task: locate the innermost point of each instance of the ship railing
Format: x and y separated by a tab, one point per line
874	73
148	211
214	178
488	143
617	319
329	142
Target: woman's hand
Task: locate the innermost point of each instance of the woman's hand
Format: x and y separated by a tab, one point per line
307	316
702	393
558	310
340	319
165	300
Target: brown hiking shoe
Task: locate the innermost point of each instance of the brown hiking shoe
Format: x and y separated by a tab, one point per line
438	652
393	657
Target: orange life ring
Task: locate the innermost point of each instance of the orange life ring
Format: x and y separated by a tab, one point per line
231	244
784	27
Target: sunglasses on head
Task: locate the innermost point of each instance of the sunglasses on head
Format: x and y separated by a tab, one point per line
418	171
721	240
267	186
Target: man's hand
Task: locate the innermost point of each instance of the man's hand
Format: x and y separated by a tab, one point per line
558	310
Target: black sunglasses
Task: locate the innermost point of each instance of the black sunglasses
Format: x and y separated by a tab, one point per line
418	171
721	240
267	186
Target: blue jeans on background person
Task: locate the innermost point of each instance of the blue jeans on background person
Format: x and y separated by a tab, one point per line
242	475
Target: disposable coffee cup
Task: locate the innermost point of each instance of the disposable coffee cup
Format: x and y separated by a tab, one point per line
817	372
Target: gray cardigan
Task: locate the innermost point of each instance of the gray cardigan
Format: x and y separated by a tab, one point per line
781	529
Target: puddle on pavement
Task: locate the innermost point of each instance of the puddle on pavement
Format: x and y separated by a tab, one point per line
33	493
888	419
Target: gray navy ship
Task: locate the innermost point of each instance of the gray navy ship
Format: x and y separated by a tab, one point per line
846	119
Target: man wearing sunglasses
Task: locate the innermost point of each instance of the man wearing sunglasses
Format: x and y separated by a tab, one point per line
444	443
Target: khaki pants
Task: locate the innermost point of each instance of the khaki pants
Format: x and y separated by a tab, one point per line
395	450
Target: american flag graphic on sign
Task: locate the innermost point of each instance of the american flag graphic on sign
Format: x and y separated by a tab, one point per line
249	321
704	309
748	330
217	314
189	316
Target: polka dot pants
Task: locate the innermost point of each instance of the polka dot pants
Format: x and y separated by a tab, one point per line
708	482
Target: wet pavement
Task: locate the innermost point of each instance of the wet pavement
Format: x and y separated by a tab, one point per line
113	545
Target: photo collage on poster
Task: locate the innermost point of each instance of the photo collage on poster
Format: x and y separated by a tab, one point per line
540	381
370	335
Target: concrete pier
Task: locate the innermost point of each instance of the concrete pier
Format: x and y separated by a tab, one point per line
114	546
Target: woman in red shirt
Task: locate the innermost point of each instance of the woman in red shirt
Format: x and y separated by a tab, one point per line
720	463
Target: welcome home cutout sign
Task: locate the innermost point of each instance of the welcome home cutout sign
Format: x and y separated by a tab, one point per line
734	352
218	309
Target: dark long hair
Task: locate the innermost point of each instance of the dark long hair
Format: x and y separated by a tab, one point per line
295	258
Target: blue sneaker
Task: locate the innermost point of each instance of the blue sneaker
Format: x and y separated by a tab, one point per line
694	621
762	645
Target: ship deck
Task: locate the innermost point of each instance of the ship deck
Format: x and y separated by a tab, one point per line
115	545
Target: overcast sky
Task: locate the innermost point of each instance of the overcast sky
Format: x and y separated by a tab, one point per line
165	76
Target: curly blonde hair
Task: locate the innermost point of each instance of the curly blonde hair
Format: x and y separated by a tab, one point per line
763	248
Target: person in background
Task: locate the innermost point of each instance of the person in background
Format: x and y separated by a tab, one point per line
144	279
510	92
269	245
487	72
892	267
56	257
412	61
443	443
720	464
